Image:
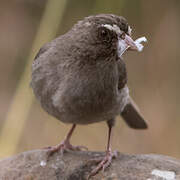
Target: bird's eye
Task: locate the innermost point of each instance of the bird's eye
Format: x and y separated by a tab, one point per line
104	34
122	36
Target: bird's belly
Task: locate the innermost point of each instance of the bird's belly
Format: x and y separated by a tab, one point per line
83	101
91	109
87	116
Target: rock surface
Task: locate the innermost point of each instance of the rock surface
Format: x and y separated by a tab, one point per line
33	165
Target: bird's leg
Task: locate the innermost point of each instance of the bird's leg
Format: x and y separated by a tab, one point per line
65	145
105	161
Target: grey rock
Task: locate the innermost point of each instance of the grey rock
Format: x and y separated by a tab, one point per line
32	165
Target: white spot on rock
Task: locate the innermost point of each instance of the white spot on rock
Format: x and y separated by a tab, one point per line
42	163
165	175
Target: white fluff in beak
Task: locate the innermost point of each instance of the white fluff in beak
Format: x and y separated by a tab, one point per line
126	43
138	43
129	44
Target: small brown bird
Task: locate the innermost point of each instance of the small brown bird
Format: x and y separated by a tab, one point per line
80	78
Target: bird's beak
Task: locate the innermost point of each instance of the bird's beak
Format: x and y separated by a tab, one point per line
129	44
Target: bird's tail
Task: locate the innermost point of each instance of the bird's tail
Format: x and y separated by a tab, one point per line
132	116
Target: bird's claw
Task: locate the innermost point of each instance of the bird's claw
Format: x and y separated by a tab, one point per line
64	146
103	162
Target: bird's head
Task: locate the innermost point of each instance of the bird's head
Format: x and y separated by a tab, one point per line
106	34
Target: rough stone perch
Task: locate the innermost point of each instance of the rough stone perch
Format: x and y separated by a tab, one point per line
32	165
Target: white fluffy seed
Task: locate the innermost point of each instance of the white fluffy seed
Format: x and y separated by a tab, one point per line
138	43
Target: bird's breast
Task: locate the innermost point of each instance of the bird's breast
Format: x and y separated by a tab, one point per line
86	99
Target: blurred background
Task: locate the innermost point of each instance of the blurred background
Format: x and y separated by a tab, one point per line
25	25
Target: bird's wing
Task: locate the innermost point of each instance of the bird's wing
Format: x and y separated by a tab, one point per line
132	116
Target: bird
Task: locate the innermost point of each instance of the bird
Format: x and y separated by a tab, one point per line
81	78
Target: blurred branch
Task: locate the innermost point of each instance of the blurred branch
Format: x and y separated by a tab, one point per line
22	100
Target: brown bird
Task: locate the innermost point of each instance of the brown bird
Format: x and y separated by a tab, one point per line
80	78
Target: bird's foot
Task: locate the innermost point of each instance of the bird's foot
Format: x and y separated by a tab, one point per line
104	162
64	146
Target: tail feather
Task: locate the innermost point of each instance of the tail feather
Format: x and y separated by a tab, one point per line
132	116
